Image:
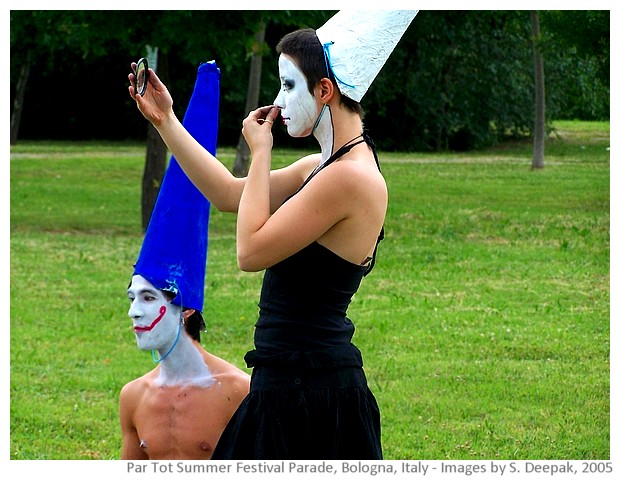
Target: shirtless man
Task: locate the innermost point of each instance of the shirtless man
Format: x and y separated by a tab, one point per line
179	409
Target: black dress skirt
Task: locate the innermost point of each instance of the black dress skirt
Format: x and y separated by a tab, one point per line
317	415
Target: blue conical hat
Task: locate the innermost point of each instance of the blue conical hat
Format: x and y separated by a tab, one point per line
174	251
357	44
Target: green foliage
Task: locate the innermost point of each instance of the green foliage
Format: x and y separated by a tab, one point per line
461	92
584	31
577	61
485	326
458	80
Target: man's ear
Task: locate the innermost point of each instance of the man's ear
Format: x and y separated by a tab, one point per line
188	313
325	90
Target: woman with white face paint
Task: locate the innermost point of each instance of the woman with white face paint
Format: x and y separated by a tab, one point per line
313	226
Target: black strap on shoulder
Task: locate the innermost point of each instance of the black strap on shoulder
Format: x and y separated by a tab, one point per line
372	146
346	148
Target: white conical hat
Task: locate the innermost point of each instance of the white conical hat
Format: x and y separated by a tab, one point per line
357	43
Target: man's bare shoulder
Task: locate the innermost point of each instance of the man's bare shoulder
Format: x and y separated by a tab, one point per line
237	379
227	374
139	385
219	365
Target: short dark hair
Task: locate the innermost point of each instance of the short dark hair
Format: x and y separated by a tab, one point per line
194	324
305	48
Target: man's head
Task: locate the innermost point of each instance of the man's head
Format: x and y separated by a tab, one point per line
156	319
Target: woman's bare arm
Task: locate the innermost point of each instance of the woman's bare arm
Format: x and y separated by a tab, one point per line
205	171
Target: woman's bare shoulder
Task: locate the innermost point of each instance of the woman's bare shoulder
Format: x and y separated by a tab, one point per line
305	164
356	173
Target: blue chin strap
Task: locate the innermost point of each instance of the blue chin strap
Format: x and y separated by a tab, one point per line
163	357
316	124
175	289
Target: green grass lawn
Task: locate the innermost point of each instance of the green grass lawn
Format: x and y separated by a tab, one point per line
485	326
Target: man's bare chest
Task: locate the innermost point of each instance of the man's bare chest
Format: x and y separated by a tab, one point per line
183	423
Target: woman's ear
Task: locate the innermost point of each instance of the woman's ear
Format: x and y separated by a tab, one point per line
325	90
188	313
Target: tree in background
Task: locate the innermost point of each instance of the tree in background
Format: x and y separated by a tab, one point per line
242	159
576	47
43	42
457	81
538	157
156	159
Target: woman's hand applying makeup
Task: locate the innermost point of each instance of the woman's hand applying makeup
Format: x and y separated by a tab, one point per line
257	128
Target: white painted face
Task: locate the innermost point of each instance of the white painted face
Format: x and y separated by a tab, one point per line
299	109
155	319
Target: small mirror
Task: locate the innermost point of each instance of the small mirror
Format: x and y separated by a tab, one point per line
142	76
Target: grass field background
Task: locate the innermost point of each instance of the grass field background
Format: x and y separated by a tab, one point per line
485	326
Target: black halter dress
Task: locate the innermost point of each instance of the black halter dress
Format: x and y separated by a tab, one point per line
309	398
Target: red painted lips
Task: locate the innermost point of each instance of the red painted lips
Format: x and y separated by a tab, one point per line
139	329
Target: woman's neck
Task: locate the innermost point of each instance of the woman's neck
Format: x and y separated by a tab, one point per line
336	128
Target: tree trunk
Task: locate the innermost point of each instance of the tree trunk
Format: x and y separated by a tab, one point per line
242	159
154	171
538	160
18	101
156	157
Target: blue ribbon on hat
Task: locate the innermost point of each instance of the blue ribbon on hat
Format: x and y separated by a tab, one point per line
328	63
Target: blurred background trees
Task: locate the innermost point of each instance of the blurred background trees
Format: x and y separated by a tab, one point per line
458	80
